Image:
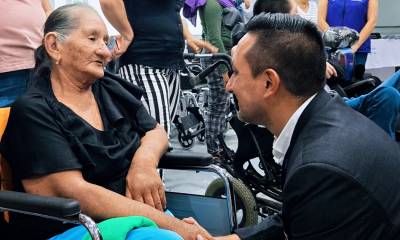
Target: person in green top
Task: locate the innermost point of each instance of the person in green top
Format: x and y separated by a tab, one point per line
218	35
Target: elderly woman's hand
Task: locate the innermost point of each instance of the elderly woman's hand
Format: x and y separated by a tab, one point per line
143	184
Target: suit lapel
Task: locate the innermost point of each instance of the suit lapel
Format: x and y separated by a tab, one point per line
317	103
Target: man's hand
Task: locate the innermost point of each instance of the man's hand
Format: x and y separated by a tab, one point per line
197	44
144	185
354	48
330	71
228	237
122	44
201	234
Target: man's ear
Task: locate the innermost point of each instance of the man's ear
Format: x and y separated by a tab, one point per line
52	46
272	82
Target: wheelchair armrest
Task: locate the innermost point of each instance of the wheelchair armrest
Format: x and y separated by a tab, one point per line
354	87
38	205
181	159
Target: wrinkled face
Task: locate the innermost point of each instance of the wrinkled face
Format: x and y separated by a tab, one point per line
248	90
84	52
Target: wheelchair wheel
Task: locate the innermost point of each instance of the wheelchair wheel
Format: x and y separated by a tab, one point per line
246	207
186	139
202	136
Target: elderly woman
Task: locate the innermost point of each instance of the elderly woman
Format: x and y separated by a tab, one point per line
82	135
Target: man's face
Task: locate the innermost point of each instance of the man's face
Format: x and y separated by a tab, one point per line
248	90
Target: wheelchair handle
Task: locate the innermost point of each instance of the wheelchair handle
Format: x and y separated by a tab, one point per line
210	69
210	56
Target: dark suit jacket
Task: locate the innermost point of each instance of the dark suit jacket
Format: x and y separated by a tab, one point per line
341	178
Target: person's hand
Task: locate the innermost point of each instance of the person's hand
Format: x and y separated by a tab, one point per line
354	48
191	220
144	184
228	237
246	3
330	71
122	44
197	44
201	233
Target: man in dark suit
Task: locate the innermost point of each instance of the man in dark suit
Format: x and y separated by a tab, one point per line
340	170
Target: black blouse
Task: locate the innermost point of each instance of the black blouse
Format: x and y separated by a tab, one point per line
44	136
158	40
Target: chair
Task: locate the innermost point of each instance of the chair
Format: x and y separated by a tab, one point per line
61	209
222	220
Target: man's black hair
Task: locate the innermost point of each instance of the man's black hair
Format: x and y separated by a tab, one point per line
293	47
271	6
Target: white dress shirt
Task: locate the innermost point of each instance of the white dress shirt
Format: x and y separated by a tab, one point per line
282	142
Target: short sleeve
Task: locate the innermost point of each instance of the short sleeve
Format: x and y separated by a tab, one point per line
33	143
144	120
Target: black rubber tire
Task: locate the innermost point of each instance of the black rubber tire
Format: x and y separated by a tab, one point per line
202	136
244	199
186	144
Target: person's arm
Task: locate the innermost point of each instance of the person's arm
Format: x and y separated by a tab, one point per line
211	19
366	31
114	11
143	182
48	166
196	44
101	203
47	8
322	14
270	228
318	202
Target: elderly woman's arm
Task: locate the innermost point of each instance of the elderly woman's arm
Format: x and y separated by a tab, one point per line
322	13
143	182
102	203
366	31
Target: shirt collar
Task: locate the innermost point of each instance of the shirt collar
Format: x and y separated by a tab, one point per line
282	142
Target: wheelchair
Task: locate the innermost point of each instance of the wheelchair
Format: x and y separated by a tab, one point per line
193	100
253	165
351	80
218	220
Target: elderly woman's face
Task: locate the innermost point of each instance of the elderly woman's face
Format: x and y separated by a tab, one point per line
84	52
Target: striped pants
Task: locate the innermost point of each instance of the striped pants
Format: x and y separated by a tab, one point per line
161	90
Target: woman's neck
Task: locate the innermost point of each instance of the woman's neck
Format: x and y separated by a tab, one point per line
71	90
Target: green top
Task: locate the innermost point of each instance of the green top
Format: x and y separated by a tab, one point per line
213	29
123	224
